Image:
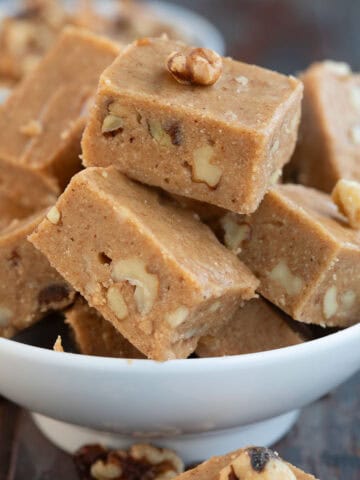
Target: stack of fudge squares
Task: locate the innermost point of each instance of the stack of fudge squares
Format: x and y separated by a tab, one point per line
177	238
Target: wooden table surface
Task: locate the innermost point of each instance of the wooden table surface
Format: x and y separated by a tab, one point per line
285	35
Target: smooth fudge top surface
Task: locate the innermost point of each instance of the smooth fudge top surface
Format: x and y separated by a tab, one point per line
179	234
320	208
245	95
77	59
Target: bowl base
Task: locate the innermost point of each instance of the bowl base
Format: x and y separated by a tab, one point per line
191	448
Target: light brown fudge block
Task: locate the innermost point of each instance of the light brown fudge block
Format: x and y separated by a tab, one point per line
246	464
27	35
30	287
96	336
153	270
329	136
43	119
221	144
256	327
26	187
305	254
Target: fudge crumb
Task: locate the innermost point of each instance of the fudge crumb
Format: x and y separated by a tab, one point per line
58	345
32	129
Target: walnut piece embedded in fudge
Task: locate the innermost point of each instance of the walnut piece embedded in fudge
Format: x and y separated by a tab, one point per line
219	143
151	268
31	287
305	254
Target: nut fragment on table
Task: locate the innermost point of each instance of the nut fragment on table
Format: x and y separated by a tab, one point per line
346	195
199	66
140	462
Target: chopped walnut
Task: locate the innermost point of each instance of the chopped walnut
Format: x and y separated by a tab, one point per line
54	215
32	129
112	123
134	271
140	462
58	344
203	171
346	195
200	66
330	303
236	232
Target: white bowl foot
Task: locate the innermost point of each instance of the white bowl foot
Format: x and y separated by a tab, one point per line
192	448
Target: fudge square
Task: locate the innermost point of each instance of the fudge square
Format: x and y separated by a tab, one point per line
152	269
305	255
29	287
94	335
256	327
329	137
248	463
223	144
42	121
27	188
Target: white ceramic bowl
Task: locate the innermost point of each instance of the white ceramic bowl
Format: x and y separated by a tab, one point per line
198	406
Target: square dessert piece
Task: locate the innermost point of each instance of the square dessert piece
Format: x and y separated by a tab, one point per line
152	269
26	187
247	463
22	192
256	327
223	144
30	287
305	254
94	335
329	137
43	119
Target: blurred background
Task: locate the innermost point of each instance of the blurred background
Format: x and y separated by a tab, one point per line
285	35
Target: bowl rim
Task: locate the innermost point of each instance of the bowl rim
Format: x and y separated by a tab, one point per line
106	364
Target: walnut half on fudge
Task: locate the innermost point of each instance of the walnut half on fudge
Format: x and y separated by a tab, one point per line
223	143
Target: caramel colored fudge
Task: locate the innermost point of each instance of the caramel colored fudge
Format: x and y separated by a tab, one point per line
26	187
43	119
22	193
222	144
256	327
96	336
305	254
329	137
151	269
27	35
246	464
30	287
